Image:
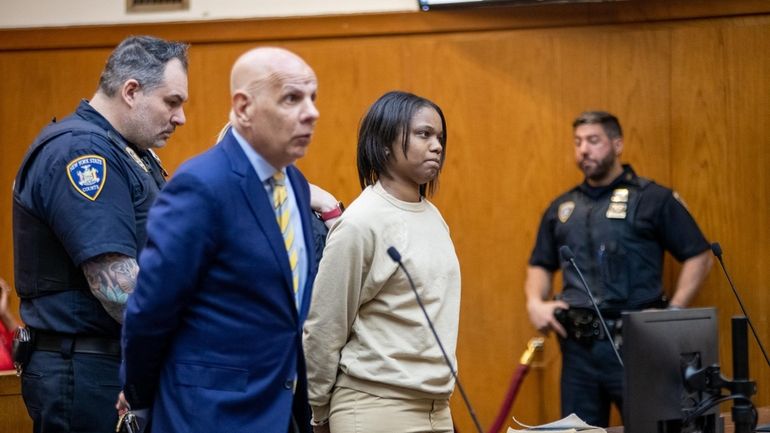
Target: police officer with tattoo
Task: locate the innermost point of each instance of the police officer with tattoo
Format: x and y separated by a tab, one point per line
80	205
618	225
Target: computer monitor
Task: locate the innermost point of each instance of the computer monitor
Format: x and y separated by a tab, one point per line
657	346
427	5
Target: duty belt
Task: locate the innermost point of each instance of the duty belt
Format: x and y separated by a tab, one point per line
583	325
68	343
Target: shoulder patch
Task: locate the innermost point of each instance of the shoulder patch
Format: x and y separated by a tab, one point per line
87	174
565	210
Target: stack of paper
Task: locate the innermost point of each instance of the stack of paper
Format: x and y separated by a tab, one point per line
570	424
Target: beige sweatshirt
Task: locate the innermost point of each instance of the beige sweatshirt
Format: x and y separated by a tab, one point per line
365	329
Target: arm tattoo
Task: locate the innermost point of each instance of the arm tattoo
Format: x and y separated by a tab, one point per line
112	277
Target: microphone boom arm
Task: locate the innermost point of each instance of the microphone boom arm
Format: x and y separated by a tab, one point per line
717	250
396	256
566	253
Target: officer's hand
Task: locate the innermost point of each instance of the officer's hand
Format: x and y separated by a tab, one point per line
122	405
542	317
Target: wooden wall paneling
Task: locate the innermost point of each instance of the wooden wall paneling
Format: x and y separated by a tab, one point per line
352	74
359	25
208	106
422	65
431	67
494	128
623	70
700	152
13	413
35	87
721	106
750	120
582	79
691	95
697	105
638	88
342	100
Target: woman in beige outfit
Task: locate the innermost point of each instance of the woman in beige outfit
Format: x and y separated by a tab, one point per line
373	364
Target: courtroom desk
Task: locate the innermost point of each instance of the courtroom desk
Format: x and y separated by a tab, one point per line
764	418
13	414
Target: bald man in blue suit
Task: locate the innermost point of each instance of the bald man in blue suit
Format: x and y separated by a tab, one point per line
212	339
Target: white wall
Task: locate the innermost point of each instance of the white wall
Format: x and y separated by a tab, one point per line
54	13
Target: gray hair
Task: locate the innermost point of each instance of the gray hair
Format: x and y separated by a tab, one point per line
142	58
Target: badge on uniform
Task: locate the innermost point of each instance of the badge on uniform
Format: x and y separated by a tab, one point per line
87	174
619	195
136	159
157	159
618	204
679	198
565	211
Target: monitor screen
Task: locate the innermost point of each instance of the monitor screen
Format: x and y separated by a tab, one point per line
427	5
657	346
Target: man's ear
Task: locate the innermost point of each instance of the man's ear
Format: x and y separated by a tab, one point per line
129	90
241	104
618	145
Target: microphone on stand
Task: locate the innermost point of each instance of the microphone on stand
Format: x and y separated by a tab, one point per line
567	254
717	250
396	256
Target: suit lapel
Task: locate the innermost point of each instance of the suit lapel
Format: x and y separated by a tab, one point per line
259	203
301	194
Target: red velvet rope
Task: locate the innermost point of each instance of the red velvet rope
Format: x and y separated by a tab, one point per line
510	397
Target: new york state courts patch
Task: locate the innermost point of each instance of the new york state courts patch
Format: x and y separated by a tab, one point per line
87	174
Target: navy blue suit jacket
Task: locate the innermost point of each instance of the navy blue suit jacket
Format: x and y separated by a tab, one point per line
212	338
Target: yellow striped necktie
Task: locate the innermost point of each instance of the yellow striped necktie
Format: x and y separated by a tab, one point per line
282	207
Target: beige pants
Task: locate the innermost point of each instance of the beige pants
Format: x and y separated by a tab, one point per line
358	412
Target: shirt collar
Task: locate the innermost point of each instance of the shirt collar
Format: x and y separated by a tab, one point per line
264	170
89	113
628	177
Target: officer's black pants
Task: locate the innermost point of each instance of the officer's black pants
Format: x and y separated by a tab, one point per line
591	379
71	393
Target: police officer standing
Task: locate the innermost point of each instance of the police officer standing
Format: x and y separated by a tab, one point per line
618	225
81	199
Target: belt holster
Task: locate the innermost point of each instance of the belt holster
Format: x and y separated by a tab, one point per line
23	345
581	324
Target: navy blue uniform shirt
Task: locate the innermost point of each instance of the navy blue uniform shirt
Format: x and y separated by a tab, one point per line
619	234
94	192
661	216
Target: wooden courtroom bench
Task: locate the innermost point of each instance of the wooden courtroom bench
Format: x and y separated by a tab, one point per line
13	414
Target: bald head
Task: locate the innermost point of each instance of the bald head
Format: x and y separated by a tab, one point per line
273	103
261	66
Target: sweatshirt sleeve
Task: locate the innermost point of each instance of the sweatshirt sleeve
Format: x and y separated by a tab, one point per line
335	302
